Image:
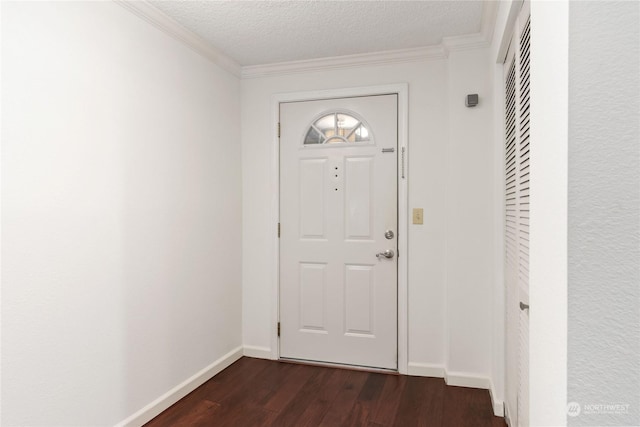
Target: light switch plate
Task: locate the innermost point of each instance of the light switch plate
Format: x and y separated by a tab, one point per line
418	216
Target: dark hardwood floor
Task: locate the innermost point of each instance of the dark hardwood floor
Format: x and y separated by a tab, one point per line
256	392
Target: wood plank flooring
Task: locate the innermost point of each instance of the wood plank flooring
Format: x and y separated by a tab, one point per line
256	392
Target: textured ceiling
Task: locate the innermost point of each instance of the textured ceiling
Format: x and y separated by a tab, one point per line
264	32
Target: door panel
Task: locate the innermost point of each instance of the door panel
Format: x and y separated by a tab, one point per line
524	202
312	289
511	239
312	198
338	196
358	307
358	214
517	169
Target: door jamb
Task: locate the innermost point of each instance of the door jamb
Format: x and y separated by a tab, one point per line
402	90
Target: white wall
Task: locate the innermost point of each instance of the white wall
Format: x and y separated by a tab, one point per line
604	212
450	176
121	213
548	222
470	233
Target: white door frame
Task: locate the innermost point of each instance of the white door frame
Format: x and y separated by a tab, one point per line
402	90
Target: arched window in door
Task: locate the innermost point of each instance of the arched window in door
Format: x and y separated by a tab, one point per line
337	127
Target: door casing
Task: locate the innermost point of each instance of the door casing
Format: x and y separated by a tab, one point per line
402	90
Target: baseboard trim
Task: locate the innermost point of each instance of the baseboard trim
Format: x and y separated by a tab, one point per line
462	379
154	408
459	379
426	370
257	352
498	405
507	415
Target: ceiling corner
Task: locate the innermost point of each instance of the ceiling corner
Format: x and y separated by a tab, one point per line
476	40
157	18
489	14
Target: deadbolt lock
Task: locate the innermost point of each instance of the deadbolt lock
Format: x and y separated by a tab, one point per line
388	234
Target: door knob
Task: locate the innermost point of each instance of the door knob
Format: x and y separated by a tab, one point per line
387	254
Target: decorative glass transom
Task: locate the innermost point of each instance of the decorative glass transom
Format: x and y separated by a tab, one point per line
336	127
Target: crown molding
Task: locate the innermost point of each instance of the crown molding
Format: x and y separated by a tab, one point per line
477	40
160	20
466	42
441	51
346	61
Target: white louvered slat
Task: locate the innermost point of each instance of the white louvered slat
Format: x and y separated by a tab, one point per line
510	169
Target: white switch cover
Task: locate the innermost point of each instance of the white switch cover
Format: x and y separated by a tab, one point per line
418	216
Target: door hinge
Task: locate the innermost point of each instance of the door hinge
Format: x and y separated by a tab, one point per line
278	129
278	328
278	230
402	162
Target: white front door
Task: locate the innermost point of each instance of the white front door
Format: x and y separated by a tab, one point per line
338	238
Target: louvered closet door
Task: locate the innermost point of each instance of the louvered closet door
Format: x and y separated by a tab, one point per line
511	239
516	232
523	220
